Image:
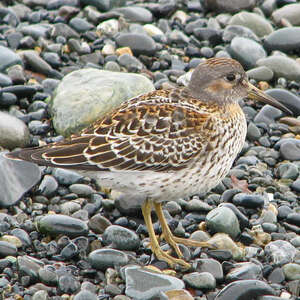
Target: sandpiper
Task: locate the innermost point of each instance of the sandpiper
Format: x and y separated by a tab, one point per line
164	144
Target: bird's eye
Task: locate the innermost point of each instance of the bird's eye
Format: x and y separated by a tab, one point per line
230	77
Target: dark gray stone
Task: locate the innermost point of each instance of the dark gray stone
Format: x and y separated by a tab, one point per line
16	178
61	224
107	258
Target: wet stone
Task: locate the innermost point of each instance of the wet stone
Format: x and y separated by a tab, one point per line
107	258
223	219
248	200
14	133
246	289
66	177
296	185
229	6
232	31
5	80
281	66
197	280
293	218
68	284
246	51
268	114
243	271
283	39
121	238
22	235
144	285
48	186
69	251
291	271
287	98
211	266
276	276
7	249
281	252
288	171
48	275
16	178
82	190
98	223
289	12
8	58
135	14
289	149
29	266
258	24
80	25
86	295
138	43
61	224
260	73
40	295
253	132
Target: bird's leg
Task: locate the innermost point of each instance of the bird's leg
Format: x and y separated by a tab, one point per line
159	253
173	240
167	234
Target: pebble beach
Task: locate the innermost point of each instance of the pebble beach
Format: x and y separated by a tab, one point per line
65	64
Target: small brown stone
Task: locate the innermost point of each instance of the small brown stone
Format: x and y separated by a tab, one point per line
124	50
179	295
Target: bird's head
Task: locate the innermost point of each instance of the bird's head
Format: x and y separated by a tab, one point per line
224	81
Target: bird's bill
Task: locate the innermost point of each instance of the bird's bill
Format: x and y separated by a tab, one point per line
256	94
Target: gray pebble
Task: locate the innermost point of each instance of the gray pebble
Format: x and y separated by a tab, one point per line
61	224
107	258
82	190
48	186
246	51
203	280
223	219
121	238
262	73
281	251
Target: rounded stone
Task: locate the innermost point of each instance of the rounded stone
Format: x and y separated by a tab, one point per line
61	224
245	289
281	251
246	51
7	249
14	133
290	12
107	258
203	280
86	95
248	200
85	295
282	66
291	271
262	73
140	44
121	238
223	219
258	24
283	39
8	58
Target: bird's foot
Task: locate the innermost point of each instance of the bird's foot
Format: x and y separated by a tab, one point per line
170	260
193	243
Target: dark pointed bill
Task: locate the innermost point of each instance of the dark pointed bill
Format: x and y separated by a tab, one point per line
256	94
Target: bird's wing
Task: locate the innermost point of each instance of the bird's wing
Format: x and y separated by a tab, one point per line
151	134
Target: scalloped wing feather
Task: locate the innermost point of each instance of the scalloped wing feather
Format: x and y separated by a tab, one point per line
159	131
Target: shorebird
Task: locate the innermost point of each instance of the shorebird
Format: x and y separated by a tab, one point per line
164	144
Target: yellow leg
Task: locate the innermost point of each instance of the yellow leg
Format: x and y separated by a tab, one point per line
173	240
159	253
